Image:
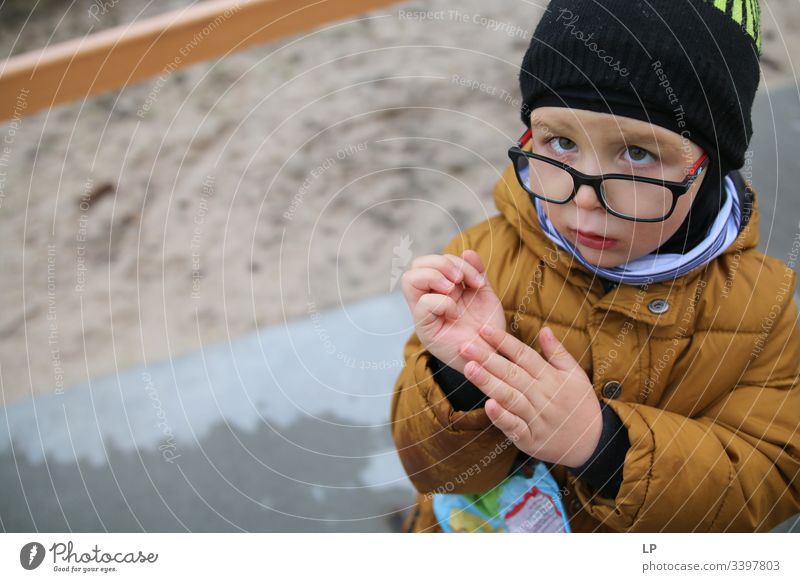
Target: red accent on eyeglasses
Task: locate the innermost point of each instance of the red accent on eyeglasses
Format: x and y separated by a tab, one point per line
525	137
699	163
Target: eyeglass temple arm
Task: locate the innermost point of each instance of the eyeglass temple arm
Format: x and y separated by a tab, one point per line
698	164
525	137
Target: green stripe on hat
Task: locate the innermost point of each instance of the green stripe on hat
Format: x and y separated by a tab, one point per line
738	9
746	13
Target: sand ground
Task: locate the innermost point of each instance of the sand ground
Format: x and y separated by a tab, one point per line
260	188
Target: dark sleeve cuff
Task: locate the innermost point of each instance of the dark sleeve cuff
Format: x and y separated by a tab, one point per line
462	394
603	470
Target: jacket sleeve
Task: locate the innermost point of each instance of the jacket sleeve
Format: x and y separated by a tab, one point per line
444	450
735	467
603	470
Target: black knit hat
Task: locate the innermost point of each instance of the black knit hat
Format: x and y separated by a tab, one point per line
688	65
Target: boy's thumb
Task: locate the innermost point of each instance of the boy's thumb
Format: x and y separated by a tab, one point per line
554	351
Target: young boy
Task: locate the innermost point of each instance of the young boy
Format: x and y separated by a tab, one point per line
614	324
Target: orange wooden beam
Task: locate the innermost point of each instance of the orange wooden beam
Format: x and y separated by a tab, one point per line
123	55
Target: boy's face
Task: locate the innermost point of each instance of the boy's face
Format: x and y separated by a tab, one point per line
601	143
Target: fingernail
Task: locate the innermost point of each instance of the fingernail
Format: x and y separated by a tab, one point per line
482	280
487	330
474	370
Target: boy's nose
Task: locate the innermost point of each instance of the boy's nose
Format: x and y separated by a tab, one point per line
587	197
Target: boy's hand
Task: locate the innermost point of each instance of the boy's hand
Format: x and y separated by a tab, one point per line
546	406
446	313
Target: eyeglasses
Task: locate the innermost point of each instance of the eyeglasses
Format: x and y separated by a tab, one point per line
638	198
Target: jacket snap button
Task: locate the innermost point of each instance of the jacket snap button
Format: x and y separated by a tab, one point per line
612	389
575	505
658	306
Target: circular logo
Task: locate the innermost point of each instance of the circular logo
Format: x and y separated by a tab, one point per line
31	555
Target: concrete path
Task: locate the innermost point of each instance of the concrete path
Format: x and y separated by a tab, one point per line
281	430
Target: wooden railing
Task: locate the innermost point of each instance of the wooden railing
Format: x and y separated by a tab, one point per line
123	55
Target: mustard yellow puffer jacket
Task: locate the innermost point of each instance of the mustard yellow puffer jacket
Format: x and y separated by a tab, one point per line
708	390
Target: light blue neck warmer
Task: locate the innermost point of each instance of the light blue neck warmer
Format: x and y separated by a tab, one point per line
653	267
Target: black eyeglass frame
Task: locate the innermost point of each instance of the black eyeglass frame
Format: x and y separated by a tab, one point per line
579	179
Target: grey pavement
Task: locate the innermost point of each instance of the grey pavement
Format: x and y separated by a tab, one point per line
281	430
775	167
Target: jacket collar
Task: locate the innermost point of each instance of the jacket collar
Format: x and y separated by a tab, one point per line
515	205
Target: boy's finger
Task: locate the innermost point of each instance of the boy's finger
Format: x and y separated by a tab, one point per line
474	259
495	387
512	426
427	279
515	350
440	263
471	275
432	306
509	373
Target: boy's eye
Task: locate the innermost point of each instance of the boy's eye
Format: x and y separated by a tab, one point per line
561	144
637	154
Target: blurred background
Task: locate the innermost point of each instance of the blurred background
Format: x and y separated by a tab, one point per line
202	321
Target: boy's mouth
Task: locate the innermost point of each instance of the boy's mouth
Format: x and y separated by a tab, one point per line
593	241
